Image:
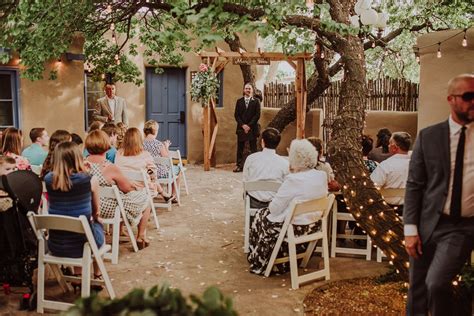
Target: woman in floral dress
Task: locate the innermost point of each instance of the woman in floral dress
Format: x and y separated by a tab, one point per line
135	201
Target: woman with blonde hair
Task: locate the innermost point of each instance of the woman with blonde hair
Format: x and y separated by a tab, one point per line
303	183
72	192
135	200
121	130
58	136
12	146
133	157
158	149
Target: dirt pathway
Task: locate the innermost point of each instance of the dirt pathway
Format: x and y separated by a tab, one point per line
200	244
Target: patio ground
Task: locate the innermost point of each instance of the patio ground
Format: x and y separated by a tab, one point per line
200	244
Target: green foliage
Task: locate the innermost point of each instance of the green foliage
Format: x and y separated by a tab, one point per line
41	31
158	301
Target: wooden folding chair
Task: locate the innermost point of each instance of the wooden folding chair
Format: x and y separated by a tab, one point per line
80	225
250	186
323	206
170	180
113	192
389	193
142	176
175	154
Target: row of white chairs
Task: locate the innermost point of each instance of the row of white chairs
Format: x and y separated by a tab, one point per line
43	222
324	205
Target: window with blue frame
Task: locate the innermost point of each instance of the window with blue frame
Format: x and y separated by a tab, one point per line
220	90
8	98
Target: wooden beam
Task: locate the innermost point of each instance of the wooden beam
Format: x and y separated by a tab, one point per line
213	140
219	50
221	66
272	55
292	64
206	137
300	84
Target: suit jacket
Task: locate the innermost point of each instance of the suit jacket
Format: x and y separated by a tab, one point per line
249	116
428	179
102	110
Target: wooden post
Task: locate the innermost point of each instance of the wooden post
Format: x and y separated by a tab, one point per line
300	84
207	137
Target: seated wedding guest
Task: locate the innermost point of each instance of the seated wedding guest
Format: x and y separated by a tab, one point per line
72	192
321	165
121	130
393	172
265	165
132	157
135	200
58	136
76	139
303	183
157	148
12	144
381	152
95	125
111	130
367	145
35	153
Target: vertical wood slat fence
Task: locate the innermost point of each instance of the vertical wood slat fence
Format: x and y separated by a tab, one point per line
384	94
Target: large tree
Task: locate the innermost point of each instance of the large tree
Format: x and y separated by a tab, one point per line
39	31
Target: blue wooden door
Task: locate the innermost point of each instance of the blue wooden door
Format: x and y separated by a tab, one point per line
166	104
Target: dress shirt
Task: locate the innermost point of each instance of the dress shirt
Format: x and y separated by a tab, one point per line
247	101
467	201
265	165
112	103
300	186
35	154
392	173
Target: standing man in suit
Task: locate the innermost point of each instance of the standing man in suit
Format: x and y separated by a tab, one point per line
439	204
247	114
111	108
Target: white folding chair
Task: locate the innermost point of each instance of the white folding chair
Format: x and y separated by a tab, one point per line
113	192
36	169
250	186
337	216
170	180
175	154
389	193
80	225
322	206
142	176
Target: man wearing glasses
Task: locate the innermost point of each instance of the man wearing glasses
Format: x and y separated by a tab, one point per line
439	205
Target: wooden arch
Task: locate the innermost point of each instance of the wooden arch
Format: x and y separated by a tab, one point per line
219	59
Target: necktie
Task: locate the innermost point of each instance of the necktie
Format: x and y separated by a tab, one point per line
247	100
456	194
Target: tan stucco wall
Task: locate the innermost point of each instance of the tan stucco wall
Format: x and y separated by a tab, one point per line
54	104
394	121
436	72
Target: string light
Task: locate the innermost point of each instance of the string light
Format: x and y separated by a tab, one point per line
438	54
112	26
322	54
373	44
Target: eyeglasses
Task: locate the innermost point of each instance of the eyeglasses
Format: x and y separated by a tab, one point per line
466	96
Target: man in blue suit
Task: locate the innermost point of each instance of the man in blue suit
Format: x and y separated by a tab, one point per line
439	204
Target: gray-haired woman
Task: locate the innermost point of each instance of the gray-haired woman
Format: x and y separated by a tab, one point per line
303	183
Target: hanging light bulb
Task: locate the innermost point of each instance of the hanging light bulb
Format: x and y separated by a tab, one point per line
373	44
438	54
109	9
116	57
118	61
322	54
112	26
464	40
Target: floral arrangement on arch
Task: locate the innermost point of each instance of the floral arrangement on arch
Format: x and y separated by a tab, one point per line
204	85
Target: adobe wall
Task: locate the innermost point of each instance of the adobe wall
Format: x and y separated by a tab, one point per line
436	72
393	120
54	104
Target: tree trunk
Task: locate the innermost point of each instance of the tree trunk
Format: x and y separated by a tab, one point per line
363	200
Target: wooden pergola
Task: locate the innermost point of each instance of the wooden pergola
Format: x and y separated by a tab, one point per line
219	59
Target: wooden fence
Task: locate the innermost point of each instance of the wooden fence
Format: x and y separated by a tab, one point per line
383	95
